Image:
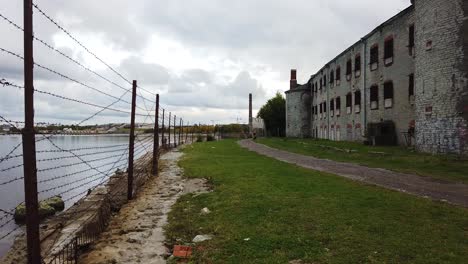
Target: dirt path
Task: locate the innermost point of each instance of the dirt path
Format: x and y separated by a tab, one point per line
135	234
455	193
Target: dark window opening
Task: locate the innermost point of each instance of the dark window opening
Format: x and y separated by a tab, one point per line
388	94
374	55
332	76
388	90
349	100
411	85
325	80
321	110
338	73
357	63
348	67
316	86
332	105
357	98
388	49
321	84
374	93
338	103
325	107
411	36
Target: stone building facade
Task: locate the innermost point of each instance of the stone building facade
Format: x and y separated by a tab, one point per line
411	72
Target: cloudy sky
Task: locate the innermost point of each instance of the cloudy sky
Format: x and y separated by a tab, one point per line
202	56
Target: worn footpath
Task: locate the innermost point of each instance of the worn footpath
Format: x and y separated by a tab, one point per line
135	234
454	193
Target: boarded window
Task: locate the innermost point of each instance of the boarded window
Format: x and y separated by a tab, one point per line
338	73
349	67
388	49
357	63
374	55
411	85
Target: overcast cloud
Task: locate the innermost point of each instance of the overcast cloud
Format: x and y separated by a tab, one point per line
202	56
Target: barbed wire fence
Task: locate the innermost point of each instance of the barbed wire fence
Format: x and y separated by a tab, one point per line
40	164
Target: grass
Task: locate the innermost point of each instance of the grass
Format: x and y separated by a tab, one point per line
444	167
290	213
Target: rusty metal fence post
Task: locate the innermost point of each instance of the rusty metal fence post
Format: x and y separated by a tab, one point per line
163	139
131	145
186	132
180	131
175	135
156	139
169	132
29	142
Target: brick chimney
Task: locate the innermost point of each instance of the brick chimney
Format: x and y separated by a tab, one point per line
293	82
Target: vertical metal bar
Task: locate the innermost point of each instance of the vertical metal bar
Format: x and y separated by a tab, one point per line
29	142
250	116
163	140
169	131
180	131
186	132
156	139
131	145
175	135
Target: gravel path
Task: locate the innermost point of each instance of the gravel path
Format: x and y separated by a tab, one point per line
135	234
454	193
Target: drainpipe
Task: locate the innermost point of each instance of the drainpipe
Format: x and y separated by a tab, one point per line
365	87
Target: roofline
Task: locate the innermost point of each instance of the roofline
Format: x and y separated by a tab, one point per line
389	21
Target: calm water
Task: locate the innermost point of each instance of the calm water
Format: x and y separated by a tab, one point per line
71	179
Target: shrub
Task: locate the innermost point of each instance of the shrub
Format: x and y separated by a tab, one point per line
210	138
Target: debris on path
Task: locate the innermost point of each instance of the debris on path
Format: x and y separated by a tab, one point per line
135	234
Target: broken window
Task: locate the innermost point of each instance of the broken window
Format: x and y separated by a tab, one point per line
388	51
374	97
348	69
374	57
388	94
349	101
357	65
357	101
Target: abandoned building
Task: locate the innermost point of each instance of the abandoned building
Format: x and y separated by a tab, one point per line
405	83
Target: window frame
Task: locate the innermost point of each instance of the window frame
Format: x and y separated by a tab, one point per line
389	94
375	96
357	62
374	58
349	69
389	51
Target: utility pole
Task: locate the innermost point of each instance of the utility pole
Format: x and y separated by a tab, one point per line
29	142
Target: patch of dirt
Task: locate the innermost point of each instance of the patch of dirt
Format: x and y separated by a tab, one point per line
135	234
454	193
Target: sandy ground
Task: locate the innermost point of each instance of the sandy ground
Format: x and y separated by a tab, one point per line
455	193
135	234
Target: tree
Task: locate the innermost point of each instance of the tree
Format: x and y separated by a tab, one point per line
273	114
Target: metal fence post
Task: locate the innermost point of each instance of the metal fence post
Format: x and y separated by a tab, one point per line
175	135
163	139
169	131
131	145
156	139
180	131
186	132
29	142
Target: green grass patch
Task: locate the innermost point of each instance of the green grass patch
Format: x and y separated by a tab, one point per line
293	213
445	167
